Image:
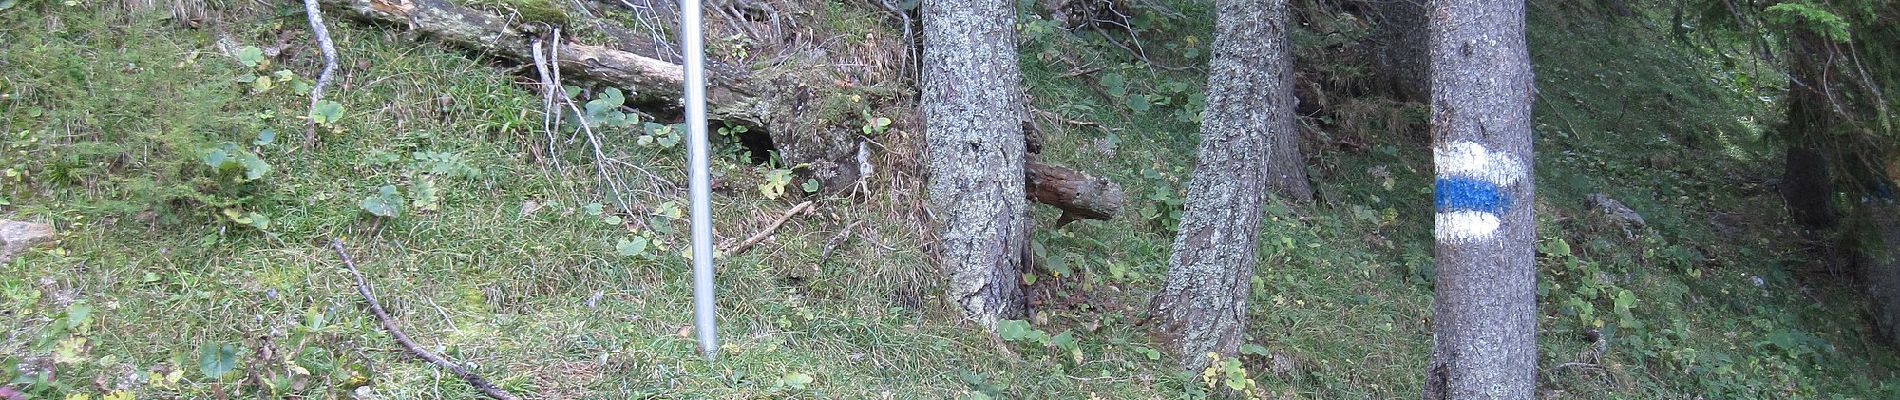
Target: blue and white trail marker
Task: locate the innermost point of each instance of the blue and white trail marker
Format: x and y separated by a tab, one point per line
1469	193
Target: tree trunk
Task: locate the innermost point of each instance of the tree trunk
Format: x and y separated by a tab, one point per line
1876	240
1806	183
1484	324
1401	58
970	103
1618	8
1249	118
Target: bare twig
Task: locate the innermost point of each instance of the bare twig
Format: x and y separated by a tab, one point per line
871	237
322	35
838	239
382	318
1079	71
760	237
1062	119
601	160
580	118
1582	365
548	110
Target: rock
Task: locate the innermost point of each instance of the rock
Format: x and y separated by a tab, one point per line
17	236
1728	225
1282	364
1618	212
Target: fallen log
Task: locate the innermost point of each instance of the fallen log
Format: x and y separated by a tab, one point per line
650	79
783	104
1079	195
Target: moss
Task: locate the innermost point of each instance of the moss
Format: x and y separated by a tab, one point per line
528	10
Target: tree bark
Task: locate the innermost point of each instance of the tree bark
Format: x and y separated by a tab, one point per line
1877	250
1485	305
971	98
1401	58
1806	183
1250	102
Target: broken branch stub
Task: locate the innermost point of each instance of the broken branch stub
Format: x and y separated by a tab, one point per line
1079	195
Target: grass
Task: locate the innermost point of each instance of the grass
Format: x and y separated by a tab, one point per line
107	113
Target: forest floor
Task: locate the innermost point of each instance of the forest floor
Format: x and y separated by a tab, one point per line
178	274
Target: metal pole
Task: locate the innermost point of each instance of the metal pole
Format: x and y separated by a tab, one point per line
696	149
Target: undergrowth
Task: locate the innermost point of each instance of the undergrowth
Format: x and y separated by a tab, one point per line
193	218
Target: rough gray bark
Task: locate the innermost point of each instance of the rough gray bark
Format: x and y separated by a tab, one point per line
1250	104
1401	56
1878	235
975	140
1806	183
1484	324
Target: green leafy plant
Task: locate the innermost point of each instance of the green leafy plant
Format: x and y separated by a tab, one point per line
732	130
386	203
795	380
1164	202
1812	17
1012	330
1583	284
423	195
875	125
604	110
776	179
660	135
326	113
260	81
238	168
636	246
215	360
735	47
1229	373
239	164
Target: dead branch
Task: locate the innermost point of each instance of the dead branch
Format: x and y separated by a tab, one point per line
760	237
780	101
1079	195
548	108
328	48
382	318
1062	119
836	240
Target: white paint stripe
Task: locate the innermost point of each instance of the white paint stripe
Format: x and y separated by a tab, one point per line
1472	160
1465	225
